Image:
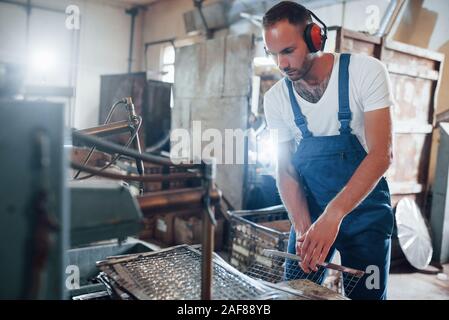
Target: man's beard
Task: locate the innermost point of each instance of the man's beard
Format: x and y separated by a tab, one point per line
296	74
293	74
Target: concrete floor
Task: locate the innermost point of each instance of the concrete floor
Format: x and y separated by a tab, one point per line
406	283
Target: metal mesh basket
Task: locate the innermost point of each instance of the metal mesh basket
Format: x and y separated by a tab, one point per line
283	268
175	273
252	231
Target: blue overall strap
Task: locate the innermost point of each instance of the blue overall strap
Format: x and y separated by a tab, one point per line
344	111
300	120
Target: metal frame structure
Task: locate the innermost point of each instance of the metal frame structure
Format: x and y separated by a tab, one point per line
207	194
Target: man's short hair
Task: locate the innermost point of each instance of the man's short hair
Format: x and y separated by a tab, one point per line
295	13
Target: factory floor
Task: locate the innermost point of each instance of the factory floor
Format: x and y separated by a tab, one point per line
406	283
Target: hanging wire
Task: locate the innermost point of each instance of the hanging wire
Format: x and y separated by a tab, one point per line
108	118
117	156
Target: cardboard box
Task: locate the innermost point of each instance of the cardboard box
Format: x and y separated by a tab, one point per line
188	230
165	224
149	225
163	230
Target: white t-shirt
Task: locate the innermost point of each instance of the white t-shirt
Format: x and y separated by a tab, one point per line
369	89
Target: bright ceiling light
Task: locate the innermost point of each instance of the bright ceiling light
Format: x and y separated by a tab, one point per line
42	61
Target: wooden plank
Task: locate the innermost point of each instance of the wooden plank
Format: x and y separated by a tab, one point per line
409	60
416	73
357	46
339	40
361	36
443	117
413	50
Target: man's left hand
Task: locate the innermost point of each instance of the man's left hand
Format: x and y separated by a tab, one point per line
317	241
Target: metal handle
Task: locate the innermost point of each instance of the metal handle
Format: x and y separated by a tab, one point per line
275	253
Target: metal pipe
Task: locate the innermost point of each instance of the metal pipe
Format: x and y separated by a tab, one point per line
388	18
108	129
107	146
207	246
141	178
172	198
199	5
207	243
135	120
133	12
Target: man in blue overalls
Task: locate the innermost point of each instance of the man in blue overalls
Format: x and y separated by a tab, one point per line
334	130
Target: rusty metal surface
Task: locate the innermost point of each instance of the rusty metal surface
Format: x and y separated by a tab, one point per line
176	197
97	159
163	199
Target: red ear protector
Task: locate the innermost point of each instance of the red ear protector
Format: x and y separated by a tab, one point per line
315	36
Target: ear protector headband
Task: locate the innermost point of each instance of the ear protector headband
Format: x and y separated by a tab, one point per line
315	36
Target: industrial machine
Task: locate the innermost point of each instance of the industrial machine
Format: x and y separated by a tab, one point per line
104	216
34	202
